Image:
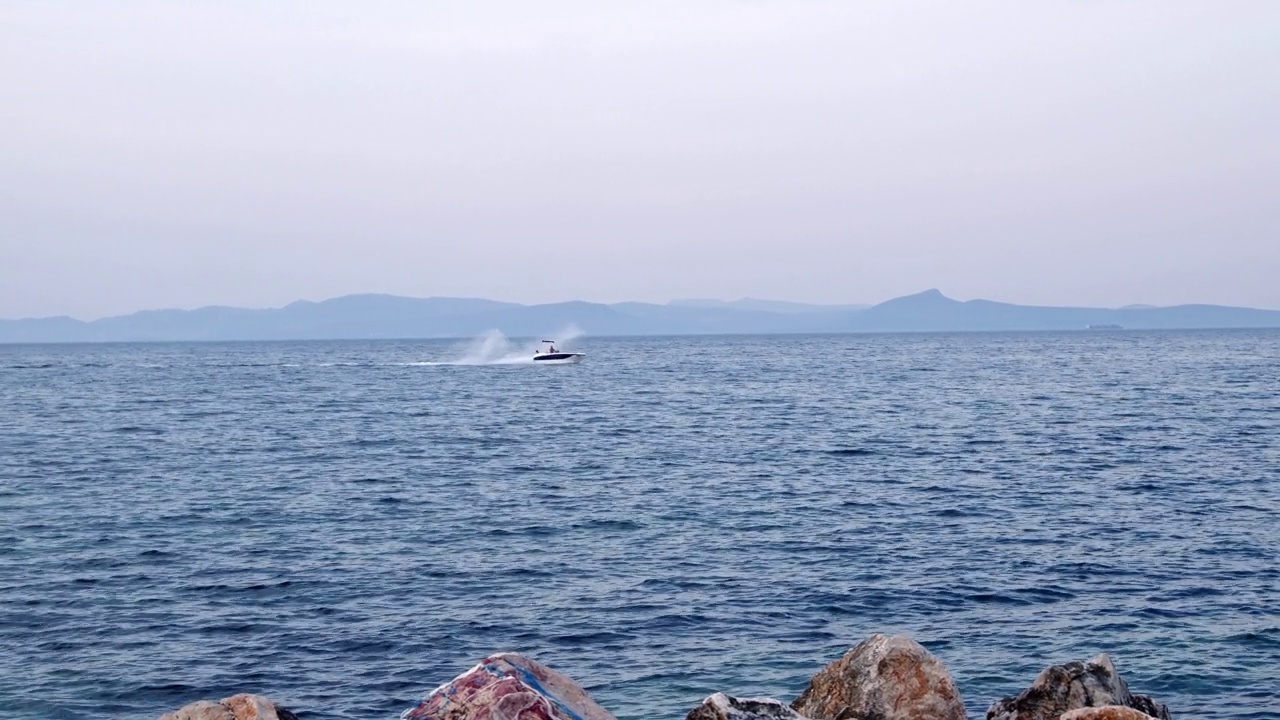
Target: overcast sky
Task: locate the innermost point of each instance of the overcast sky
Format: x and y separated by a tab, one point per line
1085	152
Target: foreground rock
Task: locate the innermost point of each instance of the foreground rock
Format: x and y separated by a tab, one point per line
1075	685
883	678
509	686
236	707
1107	712
727	707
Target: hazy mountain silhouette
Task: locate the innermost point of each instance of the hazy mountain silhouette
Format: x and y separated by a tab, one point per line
778	306
933	311
389	316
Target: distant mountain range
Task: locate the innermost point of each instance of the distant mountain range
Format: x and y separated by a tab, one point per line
388	316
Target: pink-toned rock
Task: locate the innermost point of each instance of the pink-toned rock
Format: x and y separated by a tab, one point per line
509	686
883	678
236	707
1075	685
727	707
1106	712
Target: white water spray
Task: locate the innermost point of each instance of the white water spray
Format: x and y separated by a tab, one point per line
494	348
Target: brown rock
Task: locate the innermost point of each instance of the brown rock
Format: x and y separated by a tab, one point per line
883	678
255	707
1075	685
727	707
236	707
1106	712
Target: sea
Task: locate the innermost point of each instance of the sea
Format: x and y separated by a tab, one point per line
343	526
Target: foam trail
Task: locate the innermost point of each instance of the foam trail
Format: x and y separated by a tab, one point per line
494	348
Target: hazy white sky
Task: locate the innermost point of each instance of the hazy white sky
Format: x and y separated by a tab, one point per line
177	154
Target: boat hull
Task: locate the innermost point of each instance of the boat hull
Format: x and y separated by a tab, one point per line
558	358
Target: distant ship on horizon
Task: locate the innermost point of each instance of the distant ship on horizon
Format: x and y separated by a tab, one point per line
1106	326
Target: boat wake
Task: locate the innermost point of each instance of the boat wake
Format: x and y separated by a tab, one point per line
494	348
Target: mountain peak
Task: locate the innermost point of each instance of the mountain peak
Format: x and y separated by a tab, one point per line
933	296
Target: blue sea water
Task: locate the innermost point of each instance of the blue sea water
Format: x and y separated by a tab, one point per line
342	525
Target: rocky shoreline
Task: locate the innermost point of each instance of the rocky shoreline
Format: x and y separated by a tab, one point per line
882	678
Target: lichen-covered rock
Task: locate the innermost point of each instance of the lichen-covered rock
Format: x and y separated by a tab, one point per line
1106	712
883	678
201	710
727	707
1075	685
236	707
509	686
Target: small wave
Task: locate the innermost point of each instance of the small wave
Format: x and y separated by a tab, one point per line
259	587
675	620
996	598
536	531
1165	612
137	430
242	629
374	442
953	513
1267	637
527	572
609	525
590	638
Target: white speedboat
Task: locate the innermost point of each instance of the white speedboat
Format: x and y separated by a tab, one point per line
549	355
